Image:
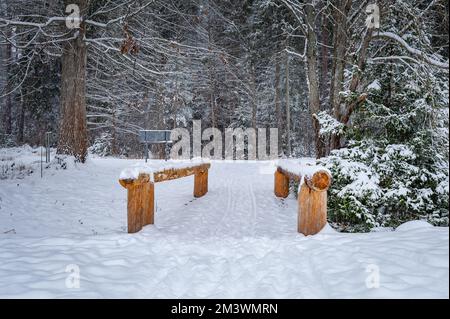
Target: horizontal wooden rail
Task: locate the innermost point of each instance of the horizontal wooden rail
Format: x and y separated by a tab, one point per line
320	181
141	192
312	197
174	173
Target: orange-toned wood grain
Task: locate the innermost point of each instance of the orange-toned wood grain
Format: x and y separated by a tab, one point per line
140	207
148	203
169	174
134	208
320	181
200	183
281	184
141	193
312	210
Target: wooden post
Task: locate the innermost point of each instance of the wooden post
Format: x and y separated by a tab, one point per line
312	197
140	202
148	198
200	182
134	216
281	185
312	210
141	192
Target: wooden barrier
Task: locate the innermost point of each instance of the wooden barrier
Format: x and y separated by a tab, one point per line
312	197
141	192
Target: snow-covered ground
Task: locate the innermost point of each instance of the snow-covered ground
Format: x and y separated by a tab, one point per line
238	241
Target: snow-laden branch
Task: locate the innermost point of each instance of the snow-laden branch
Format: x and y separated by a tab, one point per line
301	56
393	57
49	21
418	53
118	19
8	22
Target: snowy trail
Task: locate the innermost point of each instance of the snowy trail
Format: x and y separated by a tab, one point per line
238	241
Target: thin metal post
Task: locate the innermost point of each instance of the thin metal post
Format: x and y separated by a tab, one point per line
166	149
41	162
146	152
47	147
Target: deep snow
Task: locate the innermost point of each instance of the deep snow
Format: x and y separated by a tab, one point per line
238	241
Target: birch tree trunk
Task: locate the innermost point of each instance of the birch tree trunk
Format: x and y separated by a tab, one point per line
73	127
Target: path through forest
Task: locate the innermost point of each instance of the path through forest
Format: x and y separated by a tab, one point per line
237	241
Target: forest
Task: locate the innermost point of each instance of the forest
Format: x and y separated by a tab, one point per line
360	85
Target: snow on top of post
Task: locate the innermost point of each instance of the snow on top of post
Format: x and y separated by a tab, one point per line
158	166
134	172
302	168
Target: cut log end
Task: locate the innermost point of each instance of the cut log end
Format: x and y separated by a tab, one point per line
130	182
126	183
320	181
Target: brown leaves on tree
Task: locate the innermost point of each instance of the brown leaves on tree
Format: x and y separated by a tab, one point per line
223	58
129	45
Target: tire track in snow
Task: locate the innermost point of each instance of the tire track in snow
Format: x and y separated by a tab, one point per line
230	204
221	225
253	210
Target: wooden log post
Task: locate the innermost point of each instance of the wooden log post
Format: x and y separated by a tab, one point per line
312	203
312	210
141	197
200	182
148	205
141	192
312	197
281	184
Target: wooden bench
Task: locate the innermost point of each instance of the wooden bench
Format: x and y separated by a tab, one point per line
313	182
141	189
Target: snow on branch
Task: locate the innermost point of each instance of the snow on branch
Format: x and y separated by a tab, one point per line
7	22
328	124
414	51
118	19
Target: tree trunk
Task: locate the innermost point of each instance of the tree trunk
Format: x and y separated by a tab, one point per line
348	107
114	149
337	78
211	71
21	121
324	58
313	80
340	47
159	149
253	94
213	109
278	102
288	108
73	127
7	114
